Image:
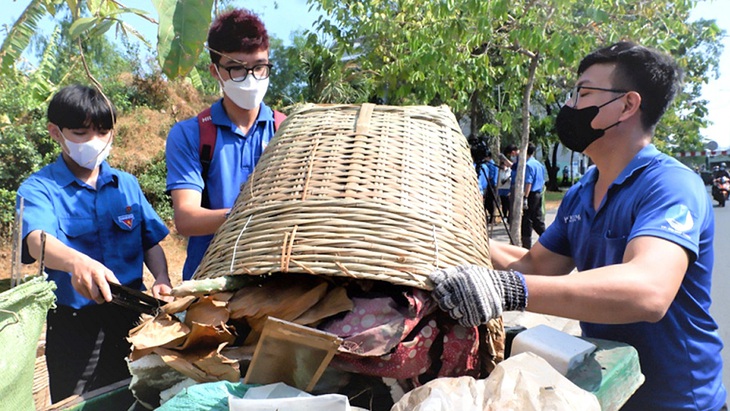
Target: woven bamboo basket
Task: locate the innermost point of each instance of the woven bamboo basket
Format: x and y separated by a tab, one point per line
367	192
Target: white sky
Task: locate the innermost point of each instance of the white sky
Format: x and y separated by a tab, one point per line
716	92
282	17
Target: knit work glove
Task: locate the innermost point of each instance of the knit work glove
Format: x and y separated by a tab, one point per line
473	295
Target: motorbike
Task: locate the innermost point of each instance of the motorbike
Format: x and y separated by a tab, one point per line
720	189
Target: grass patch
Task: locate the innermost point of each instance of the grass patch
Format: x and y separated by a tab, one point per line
554	196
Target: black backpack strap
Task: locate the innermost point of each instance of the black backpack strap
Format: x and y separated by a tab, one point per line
208	132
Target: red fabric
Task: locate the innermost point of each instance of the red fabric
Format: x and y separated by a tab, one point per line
384	339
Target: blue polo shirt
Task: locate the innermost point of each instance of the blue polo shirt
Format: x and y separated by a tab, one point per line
492	172
482	175
535	175
113	224
234	158
657	196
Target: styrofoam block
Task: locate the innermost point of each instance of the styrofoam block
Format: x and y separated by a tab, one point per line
561	350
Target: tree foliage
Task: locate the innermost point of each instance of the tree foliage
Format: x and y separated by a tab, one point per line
182	28
501	62
497	63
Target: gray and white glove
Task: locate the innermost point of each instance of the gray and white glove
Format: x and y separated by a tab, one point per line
473	295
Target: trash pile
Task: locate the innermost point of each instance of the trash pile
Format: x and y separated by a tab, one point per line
348	211
387	331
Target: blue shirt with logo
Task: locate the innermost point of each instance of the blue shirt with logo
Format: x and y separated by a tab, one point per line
656	196
234	158
113	224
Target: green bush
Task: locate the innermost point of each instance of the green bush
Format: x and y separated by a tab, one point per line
150	91
7	211
153	183
19	157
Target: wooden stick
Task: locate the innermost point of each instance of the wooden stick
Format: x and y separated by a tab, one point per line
17	245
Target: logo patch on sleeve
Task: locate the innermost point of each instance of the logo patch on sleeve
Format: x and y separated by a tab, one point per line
679	218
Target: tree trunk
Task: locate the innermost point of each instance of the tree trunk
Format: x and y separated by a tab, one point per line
473	116
553	169
570	168
516	212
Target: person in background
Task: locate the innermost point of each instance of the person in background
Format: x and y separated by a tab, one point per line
643	249
533	217
720	171
239	53
99	229
503	188
509	154
490	190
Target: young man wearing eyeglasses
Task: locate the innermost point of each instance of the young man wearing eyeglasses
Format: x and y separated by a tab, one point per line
202	197
643	248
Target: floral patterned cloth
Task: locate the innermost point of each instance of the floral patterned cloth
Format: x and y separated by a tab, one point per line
386	339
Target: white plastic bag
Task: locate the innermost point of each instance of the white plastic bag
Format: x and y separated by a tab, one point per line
279	396
524	382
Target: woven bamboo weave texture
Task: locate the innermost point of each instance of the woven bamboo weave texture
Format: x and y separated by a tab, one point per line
368	192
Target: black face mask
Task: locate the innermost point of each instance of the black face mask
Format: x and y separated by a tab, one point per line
574	126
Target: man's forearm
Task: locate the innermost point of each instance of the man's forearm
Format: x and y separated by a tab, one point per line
505	255
57	255
528	188
156	262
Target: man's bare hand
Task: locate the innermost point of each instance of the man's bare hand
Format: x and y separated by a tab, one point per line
161	290
91	279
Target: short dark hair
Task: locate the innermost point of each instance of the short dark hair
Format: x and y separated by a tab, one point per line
78	106
651	73
509	148
530	149
238	30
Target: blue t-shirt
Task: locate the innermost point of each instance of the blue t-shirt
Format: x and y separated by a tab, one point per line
234	158
487	172
656	196
535	175
492	172
113	224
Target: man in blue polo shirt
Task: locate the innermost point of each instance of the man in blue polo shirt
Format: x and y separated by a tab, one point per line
239	51
487	172
99	228
533	217
643	249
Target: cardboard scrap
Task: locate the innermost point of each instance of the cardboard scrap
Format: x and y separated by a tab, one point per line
194	344
202	365
280	297
161	331
335	302
292	354
178	305
207	310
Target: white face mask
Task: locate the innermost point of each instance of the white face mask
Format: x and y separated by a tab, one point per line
89	154
247	94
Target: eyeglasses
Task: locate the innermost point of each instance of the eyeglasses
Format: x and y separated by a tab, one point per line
574	94
239	73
